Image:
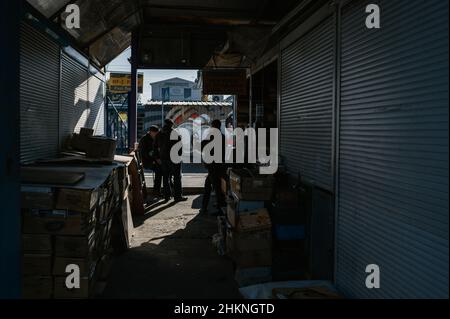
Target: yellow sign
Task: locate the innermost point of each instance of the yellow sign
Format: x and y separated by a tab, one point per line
121	82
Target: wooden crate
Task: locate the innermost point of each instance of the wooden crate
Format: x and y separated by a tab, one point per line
248	185
37	287
86	265
79	200
57	222
37	243
33	197
37	264
75	246
60	290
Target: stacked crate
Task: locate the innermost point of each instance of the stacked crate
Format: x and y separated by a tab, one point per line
65	225
249	231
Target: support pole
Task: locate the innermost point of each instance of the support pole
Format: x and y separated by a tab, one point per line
10	220
132	102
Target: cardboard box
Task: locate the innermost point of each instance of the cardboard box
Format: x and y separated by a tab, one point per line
75	246
249	185
224	185
34	197
78	200
255	220
57	222
60	290
87	266
37	243
101	147
37	287
37	264
235	208
250	249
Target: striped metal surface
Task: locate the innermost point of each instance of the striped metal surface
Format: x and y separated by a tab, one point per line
74	96
306	105
96	119
39	81
393	158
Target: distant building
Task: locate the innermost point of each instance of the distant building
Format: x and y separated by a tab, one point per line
175	89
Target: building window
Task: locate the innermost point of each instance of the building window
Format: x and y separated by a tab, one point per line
165	94
187	93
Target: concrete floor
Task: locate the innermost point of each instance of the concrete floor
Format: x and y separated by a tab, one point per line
172	257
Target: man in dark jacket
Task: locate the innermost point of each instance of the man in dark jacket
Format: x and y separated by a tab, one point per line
149	160
163	145
215	173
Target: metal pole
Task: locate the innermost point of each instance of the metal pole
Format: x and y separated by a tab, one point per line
10	220
132	102
162	113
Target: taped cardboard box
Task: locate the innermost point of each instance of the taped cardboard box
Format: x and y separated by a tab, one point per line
37	264
37	243
37	287
57	222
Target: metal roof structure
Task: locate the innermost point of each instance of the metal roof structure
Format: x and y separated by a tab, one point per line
171	33
188	103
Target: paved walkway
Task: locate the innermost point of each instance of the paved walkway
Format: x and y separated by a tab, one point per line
172	257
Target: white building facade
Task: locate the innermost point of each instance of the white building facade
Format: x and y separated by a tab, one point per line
175	89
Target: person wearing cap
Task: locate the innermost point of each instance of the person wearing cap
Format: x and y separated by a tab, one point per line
149	160
163	145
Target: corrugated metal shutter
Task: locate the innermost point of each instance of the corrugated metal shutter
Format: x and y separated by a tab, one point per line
96	118
39	86
393	197
306	105
74	96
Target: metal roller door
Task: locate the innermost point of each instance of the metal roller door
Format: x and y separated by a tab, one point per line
393	151
74	96
306	105
39	86
96	118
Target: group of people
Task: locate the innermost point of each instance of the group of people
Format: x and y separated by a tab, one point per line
155	149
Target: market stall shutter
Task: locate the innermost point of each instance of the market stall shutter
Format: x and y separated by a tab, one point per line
39	86
393	158
96	119
74	96
306	105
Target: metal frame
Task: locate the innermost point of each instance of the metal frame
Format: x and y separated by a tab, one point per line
336	125
10	220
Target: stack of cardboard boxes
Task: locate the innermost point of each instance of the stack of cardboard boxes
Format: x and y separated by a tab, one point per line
249	228
68	224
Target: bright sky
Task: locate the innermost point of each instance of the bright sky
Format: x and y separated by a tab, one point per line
121	64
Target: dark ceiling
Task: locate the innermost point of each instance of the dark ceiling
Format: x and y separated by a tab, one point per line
172	33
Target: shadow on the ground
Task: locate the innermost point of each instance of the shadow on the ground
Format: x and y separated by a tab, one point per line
183	264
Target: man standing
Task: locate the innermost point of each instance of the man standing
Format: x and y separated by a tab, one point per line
149	160
163	145
215	172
